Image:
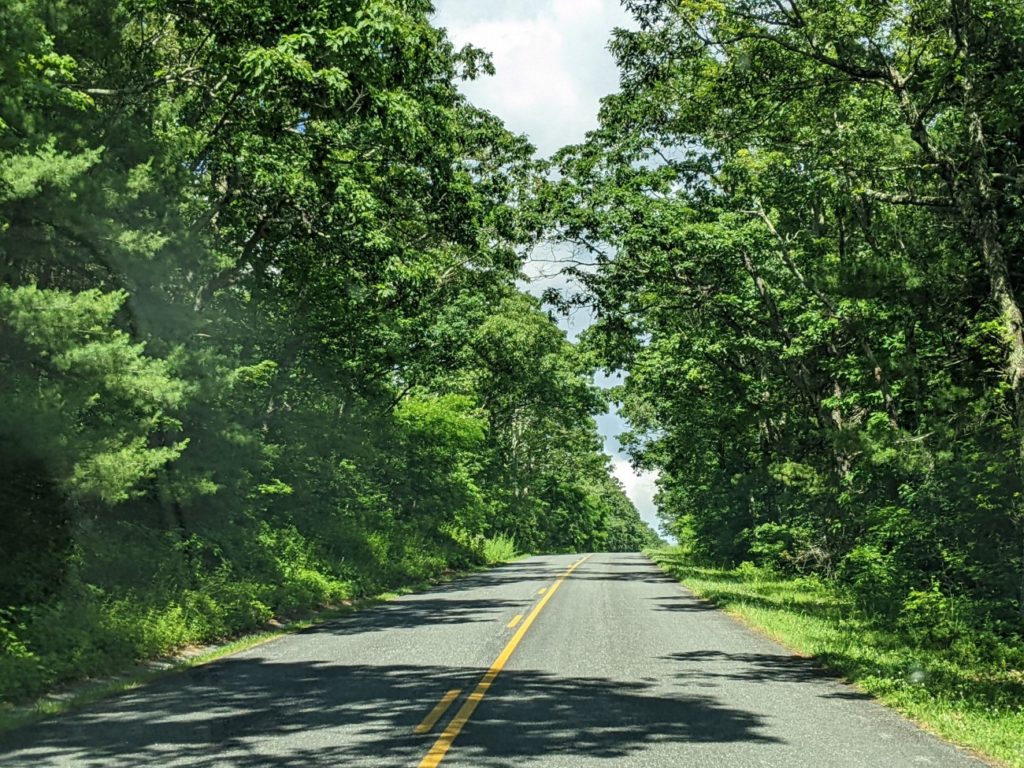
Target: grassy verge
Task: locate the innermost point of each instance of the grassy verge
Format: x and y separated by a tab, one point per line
83	693
976	703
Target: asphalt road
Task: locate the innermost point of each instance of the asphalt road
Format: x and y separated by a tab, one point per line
612	665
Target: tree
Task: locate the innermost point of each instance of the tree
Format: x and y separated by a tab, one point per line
803	220
261	345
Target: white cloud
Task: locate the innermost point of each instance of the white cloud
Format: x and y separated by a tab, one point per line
640	488
579	10
551	60
553	67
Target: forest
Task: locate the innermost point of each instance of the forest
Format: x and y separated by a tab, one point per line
264	347
261	343
800	227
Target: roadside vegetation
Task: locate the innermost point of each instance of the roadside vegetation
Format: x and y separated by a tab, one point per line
934	666
124	674
261	344
806	222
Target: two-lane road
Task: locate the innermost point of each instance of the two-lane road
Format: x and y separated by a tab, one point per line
551	661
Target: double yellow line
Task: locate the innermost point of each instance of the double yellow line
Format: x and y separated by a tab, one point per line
444	741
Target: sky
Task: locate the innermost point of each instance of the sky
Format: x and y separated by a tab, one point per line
552	64
552	68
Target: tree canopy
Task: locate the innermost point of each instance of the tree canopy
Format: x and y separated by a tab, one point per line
805	218
261	343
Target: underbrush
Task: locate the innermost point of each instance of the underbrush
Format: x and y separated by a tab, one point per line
956	680
499	549
153	595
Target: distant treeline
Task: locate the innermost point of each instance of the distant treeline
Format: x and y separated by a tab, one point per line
260	344
808	221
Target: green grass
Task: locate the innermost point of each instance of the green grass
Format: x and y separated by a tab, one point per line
977	703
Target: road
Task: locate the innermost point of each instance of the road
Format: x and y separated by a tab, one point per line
611	664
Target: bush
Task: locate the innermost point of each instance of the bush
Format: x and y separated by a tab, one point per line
872	579
933	619
499	549
20	670
774	545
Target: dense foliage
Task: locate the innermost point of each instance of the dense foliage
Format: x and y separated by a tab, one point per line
806	221
260	343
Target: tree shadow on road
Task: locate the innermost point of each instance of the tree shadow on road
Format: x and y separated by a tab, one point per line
425	610
250	712
456	603
684	604
646	575
271	708
710	665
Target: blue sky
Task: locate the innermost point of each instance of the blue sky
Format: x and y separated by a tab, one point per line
552	70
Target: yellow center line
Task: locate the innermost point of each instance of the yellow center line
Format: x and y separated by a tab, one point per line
444	741
542	590
439	709
515	620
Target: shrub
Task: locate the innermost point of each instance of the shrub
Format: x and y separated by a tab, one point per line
933	619
500	548
871	577
21	673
